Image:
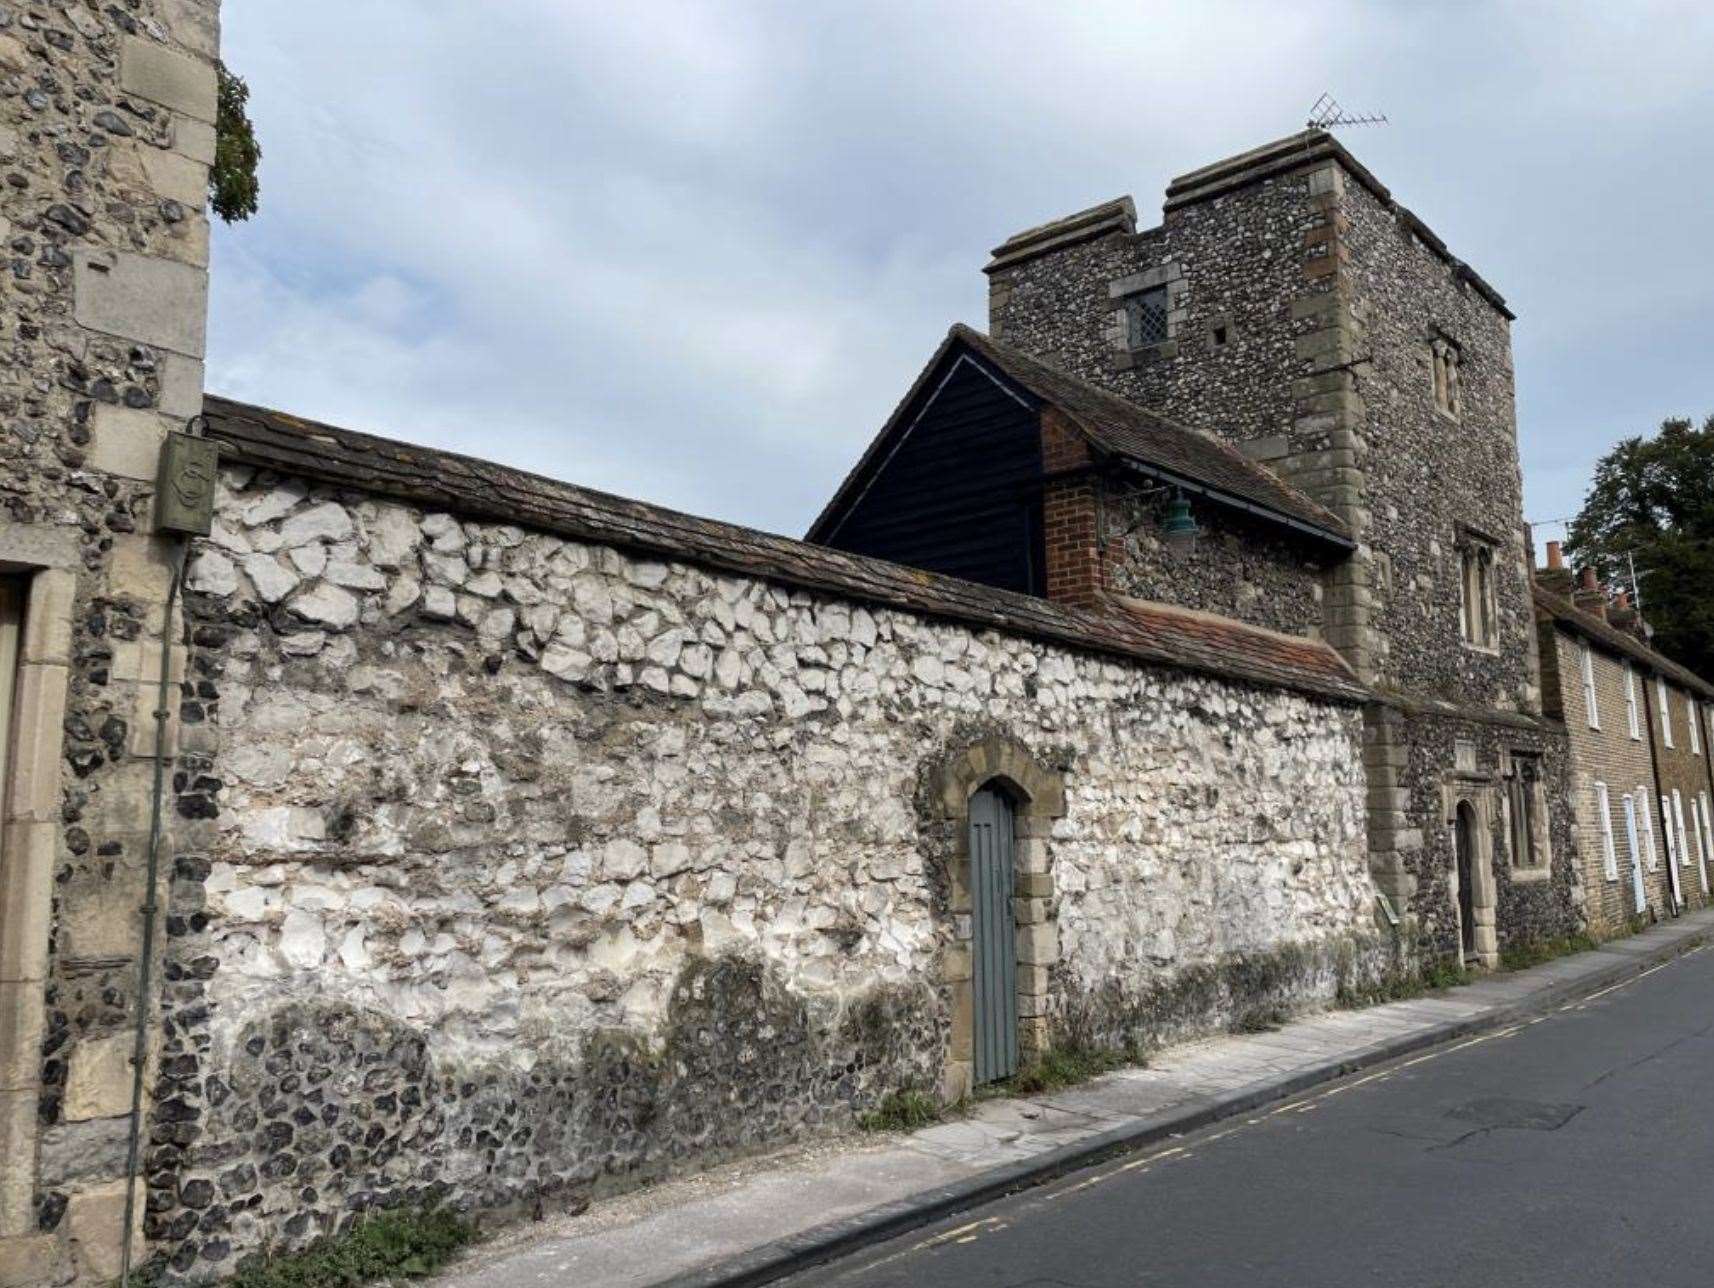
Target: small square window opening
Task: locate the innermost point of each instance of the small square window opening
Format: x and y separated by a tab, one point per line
1145	318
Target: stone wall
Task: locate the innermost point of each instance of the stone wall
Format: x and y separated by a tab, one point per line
1238	566
106	131
539	868
1304	307
1448	760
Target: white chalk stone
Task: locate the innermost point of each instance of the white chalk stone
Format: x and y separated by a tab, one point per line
327	521
327	606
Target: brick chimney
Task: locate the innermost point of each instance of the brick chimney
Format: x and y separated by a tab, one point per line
1556	576
1623	614
1589	595
1079	563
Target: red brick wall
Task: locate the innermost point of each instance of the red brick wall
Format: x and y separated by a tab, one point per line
1077	566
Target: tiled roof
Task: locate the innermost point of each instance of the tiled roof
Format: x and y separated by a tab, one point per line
482	490
1613	639
1118	428
1135	433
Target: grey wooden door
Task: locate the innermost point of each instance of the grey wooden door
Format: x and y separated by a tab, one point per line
993	950
1466	843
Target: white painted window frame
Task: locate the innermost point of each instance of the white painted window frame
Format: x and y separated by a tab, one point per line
1648	827
1609	850
1586	664
1700	806
1665	710
1695	733
1678	825
1631	715
1636	865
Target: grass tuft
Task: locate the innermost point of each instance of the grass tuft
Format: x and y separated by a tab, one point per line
906	1110
1533	952
1262	1019
1065	1067
1403	985
401	1244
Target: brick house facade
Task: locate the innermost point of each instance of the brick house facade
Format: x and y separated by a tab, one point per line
1681	764
1598	691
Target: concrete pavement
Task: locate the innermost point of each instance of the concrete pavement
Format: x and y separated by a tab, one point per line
756	1222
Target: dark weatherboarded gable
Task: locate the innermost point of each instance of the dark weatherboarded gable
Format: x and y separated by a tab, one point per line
958	490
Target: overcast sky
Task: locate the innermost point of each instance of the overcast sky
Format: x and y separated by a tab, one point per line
694	252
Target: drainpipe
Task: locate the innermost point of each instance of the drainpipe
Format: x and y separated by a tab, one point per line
184	506
145	964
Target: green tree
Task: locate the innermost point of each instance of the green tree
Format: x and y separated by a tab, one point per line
233	188
1653	500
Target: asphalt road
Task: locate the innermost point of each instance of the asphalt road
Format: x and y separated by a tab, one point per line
1577	1149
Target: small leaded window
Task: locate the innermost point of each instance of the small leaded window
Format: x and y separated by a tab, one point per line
1525	791
1448	378
1478	610
1145	316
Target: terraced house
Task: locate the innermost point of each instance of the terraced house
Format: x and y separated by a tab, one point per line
1636	722
385	825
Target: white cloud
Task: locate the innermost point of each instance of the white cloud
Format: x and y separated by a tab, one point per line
694	252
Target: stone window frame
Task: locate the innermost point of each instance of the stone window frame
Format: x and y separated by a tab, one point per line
1038	798
1537	846
1120	291
1446	376
1484	900
1478	562
1213	326
30	796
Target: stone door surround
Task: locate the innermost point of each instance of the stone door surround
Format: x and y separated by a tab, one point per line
38	659
1038	797
1479	796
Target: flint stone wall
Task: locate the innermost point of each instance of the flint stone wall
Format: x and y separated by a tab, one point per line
541	868
1238	566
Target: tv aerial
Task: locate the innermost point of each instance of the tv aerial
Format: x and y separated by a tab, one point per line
1327	114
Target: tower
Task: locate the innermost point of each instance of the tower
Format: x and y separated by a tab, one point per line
1289	305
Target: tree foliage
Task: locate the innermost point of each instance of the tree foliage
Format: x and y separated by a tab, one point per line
233	188
1653	500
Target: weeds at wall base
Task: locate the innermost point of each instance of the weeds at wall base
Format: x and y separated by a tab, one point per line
1065	1067
911	1110
401	1244
908	1110
1401	984
1534	952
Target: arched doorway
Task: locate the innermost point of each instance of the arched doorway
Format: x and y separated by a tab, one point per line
999	803
1464	830
993	951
